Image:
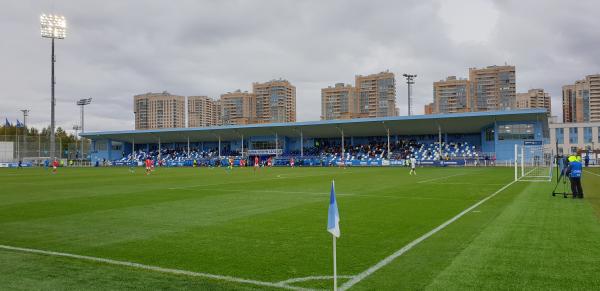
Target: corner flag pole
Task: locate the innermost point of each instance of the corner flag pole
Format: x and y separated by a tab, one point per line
334	266
333	227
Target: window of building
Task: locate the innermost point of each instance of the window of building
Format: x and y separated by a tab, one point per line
587	135
101	145
515	131
560	135
573	135
573	150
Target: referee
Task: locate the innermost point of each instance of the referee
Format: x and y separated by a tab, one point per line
574	172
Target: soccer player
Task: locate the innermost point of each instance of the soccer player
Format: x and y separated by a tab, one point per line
270	162
413	166
230	163
54	166
256	163
292	162
148	166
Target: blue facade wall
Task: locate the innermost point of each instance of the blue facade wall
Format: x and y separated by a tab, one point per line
504	149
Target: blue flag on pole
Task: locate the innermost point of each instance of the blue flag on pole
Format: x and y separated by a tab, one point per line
19	124
333	217
7	124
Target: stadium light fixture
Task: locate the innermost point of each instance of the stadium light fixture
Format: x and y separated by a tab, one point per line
53	27
82	103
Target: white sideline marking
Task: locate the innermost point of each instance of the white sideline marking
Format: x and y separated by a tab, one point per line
440	178
591	172
312	278
415	242
154	268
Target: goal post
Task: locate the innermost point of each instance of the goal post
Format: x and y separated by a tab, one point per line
533	162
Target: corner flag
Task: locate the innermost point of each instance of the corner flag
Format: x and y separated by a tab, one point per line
333	217
333	226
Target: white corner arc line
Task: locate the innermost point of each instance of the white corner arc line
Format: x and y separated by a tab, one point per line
153	268
415	242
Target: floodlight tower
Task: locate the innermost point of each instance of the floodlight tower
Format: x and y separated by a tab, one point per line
25	115
83	103
53	27
76	128
409	81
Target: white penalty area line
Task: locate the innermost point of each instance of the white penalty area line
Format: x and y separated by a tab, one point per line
415	242
441	178
282	284
590	172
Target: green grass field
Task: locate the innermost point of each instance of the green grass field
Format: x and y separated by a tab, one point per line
270	227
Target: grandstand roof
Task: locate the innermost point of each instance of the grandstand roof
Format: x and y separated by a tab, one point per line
471	122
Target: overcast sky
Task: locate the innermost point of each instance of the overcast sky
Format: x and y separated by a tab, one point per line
116	49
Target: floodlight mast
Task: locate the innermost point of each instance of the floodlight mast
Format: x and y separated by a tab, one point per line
409	81
83	103
53	27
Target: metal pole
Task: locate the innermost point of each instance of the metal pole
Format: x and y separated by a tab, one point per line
301	144
81	132
17	142
276	144
440	140
334	266
52	103
388	143
516	171
409	81
188	146
159	148
522	161
219	147
343	151
242	146
25	115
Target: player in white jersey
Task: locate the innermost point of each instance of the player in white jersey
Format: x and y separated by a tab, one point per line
413	166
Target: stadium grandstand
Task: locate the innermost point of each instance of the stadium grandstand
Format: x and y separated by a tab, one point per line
440	140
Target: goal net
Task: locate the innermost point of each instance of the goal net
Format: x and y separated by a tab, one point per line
534	163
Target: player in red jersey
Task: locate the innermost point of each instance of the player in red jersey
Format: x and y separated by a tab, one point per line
148	166
270	162
292	162
54	166
256	163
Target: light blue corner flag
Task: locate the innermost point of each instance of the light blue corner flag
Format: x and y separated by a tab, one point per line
333	217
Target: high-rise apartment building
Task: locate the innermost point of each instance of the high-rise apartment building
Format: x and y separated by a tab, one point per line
159	110
581	101
534	98
238	108
428	108
451	96
493	88
203	111
339	102
275	101
376	95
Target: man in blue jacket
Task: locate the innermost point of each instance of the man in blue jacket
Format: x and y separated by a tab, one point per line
574	171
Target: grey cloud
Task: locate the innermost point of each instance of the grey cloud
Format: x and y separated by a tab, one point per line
116	49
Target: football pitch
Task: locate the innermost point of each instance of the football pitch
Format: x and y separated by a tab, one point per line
218	229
